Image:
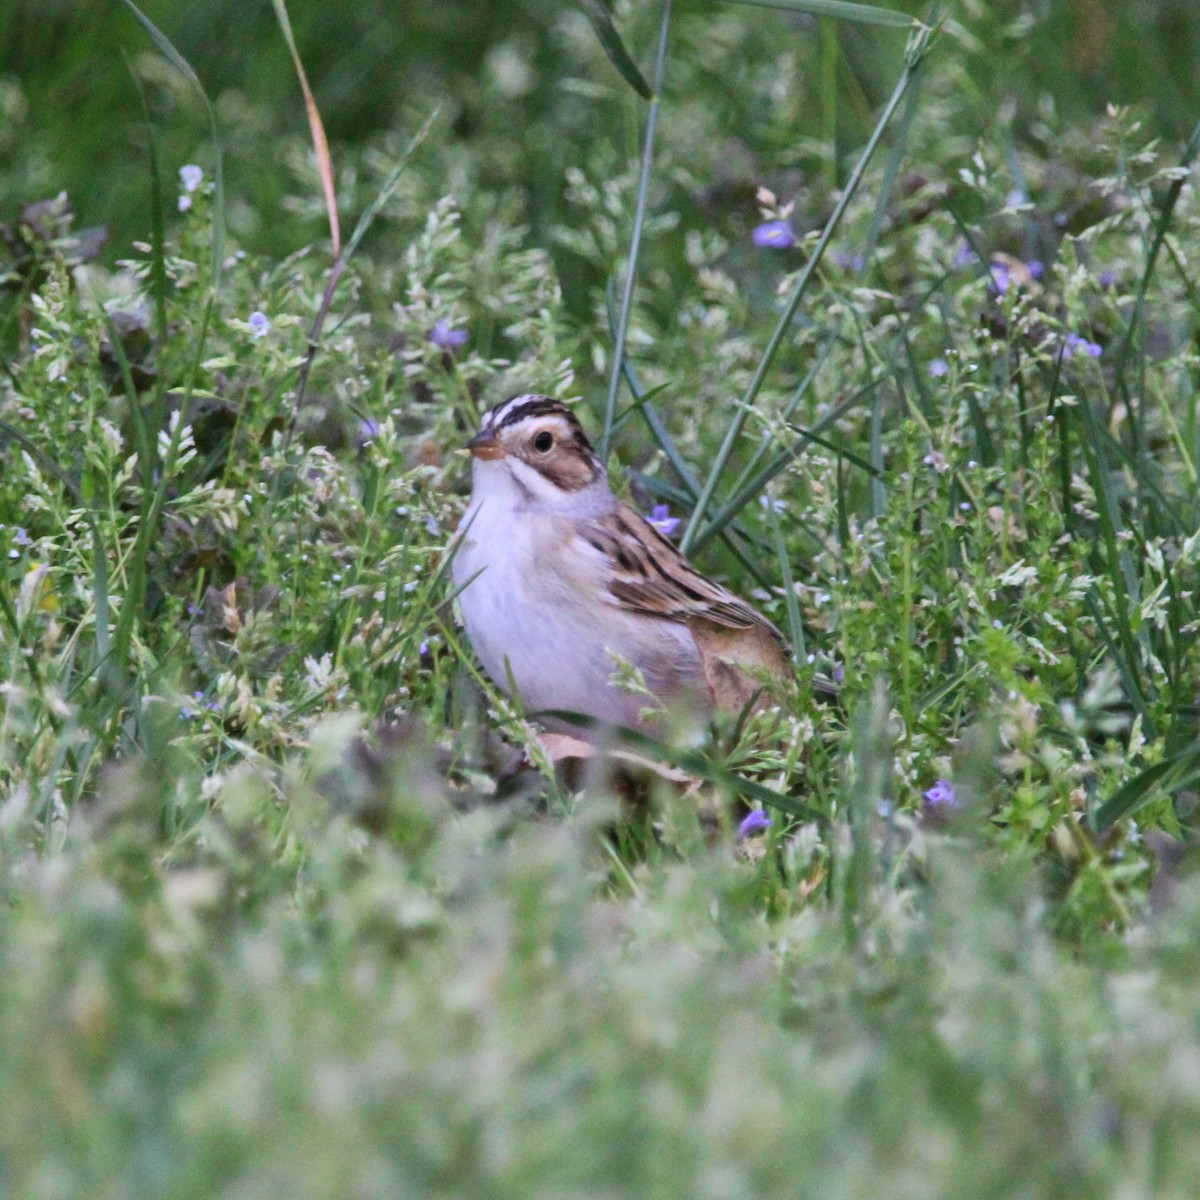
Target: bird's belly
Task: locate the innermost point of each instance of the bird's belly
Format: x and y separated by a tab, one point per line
558	646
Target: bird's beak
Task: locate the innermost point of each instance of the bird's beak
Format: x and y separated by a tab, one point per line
485	445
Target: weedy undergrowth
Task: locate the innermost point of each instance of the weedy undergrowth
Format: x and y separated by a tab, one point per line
286	903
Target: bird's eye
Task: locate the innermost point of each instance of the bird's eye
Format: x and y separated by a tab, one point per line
543	441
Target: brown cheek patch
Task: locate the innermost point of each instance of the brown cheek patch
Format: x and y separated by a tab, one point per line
570	469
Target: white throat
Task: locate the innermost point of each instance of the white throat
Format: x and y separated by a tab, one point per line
512	485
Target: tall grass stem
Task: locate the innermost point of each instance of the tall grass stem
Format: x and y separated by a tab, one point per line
635	243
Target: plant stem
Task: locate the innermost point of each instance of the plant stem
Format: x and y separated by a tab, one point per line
635	244
916	54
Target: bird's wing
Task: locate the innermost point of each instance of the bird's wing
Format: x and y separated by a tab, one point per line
647	574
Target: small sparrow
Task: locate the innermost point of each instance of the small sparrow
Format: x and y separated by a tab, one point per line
559	580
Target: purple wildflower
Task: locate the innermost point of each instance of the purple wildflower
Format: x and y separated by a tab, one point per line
1076	344
939	367
1037	270
203	703
1001	277
941	796
260	324
774	235
754	822
964	255
660	517
446	338
190	176
22	538
368	431
1108	279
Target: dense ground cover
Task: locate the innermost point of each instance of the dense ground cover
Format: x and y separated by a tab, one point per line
292	898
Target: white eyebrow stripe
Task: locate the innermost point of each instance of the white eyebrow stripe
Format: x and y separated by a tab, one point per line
497	414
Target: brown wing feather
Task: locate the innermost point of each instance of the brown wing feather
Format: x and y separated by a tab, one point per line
652	577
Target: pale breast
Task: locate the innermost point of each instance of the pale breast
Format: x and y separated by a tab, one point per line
535	607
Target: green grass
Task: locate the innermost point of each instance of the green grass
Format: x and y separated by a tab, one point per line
291	900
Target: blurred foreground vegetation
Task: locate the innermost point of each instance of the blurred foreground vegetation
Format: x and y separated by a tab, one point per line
292	899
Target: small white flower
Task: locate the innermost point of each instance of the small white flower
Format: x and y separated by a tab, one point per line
191	176
185	202
260	324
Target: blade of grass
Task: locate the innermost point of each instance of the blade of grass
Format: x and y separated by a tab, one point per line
916	52
759	481
1166	212
748	485
1164	778
335	274
795	625
148	525
868	785
843	508
389	186
341	256
790	407
157	230
635	242
649	413
891	168
829	53
316	129
168	51
875	443
681	497
599	13
1121	654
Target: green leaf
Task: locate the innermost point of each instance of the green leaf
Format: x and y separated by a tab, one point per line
600	14
1164	778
